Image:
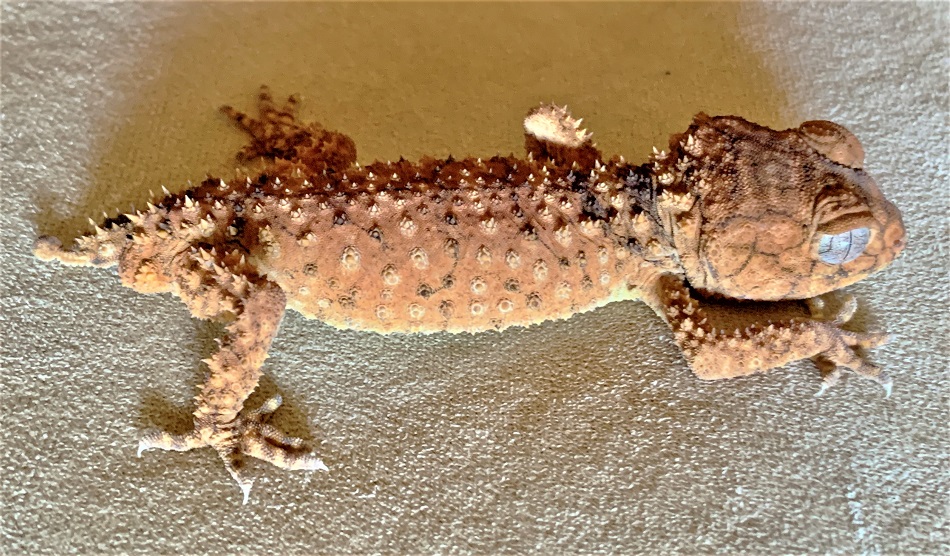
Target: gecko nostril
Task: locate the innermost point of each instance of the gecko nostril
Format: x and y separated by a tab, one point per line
895	235
901	241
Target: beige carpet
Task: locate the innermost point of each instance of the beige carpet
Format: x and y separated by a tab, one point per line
583	436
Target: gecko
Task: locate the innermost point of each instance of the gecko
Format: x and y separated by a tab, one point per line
731	210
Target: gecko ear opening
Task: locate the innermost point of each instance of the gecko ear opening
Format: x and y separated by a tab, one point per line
834	142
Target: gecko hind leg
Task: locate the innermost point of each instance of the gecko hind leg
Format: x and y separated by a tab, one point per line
552	133
220	418
277	133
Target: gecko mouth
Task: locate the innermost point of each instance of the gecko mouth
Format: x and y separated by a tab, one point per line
843	247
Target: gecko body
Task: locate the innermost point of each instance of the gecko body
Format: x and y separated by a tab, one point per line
731	210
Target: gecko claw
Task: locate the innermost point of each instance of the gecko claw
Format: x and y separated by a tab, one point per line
246	489
886	383
831	374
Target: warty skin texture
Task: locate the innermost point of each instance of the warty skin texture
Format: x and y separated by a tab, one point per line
731	210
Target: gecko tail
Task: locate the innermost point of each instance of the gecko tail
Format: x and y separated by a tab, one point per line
91	250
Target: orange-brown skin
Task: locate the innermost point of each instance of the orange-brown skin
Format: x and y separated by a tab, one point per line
734	211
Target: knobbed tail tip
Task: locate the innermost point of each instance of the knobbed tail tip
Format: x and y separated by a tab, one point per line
48	248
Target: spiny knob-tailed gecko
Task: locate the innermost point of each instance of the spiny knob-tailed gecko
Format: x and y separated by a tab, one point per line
732	210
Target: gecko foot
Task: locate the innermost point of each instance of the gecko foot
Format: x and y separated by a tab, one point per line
843	356
247	435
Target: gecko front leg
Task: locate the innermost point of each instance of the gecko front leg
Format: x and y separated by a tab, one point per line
257	308
716	353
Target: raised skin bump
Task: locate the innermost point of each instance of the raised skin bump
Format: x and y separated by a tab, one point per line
730	209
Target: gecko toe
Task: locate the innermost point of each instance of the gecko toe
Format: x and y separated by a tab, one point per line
847	310
268	443
165	441
870	340
267	408
830	374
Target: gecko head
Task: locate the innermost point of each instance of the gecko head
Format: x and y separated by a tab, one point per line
767	215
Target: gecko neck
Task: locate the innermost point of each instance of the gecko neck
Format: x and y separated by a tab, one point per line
632	214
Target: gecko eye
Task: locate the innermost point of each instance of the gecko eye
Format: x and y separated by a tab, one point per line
843	247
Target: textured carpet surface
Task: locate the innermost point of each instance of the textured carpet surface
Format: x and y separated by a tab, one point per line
583	436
